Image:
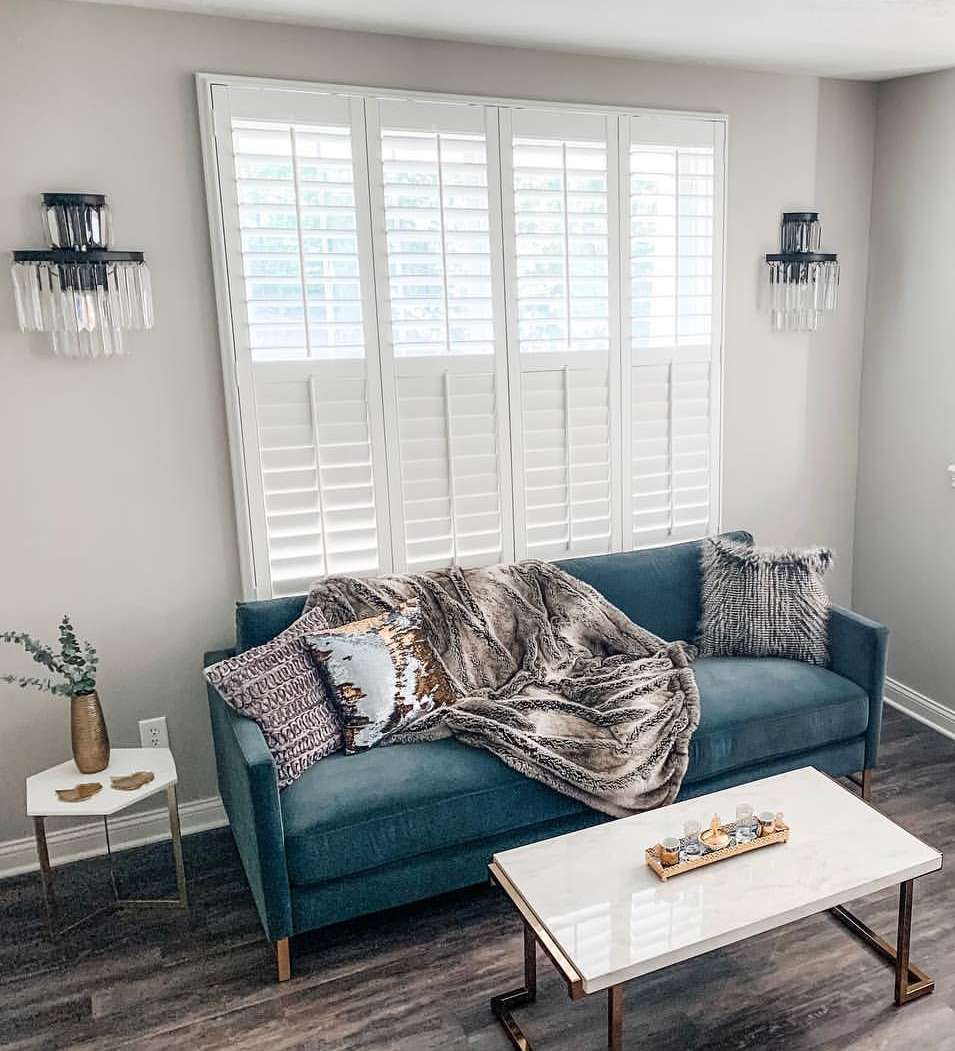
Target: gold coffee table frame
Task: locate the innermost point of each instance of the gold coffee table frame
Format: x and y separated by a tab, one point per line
910	981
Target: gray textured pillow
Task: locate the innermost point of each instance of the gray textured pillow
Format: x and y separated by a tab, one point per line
278	686
759	602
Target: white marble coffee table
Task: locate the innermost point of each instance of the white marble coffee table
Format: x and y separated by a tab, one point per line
603	917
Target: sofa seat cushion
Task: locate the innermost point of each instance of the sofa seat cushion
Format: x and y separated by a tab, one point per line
351	813
758	708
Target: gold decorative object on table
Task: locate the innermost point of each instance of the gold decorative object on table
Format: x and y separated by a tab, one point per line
129	782
767	822
670	851
79	792
714	838
716	833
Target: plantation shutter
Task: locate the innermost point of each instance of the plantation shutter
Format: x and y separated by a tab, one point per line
561	231
295	218
671	316
436	219
460	333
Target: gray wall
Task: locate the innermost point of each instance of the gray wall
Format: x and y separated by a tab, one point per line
905	545
115	475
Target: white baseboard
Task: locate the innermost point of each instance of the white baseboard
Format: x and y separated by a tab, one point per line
128	830
920	707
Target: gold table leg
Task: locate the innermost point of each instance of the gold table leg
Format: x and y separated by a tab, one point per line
46	871
505	1003
176	830
615	1018
911	982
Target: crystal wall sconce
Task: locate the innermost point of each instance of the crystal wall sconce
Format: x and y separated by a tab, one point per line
79	290
803	280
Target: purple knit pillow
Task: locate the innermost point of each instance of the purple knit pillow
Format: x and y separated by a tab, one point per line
278	685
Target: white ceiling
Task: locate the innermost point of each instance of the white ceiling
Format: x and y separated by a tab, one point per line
871	39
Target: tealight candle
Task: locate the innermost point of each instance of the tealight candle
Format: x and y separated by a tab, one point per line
767	822
670	851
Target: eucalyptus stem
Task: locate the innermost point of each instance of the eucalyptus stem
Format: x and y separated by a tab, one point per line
74	664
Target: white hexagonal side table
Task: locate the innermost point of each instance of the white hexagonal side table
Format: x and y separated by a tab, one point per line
42	802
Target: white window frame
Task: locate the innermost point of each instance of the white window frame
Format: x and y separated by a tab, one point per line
247	489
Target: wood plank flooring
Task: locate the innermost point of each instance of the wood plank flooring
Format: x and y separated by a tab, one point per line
419	978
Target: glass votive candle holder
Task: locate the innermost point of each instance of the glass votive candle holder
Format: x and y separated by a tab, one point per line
670	851
692	846
767	822
745	823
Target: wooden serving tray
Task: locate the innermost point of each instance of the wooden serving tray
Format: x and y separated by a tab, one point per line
665	872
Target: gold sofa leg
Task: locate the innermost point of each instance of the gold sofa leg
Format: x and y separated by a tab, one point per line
283	960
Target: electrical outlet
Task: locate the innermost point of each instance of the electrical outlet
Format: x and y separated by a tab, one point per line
153	732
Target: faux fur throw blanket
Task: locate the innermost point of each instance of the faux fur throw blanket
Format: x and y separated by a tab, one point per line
552	679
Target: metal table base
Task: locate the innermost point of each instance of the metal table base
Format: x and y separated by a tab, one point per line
118	902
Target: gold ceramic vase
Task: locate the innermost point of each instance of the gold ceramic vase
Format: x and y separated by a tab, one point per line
88	733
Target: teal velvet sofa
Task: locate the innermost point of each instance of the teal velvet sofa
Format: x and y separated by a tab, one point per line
393	825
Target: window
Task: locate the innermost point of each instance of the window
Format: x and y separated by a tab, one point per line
462	331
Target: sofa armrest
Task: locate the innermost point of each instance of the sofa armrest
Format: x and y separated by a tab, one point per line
249	790
857	651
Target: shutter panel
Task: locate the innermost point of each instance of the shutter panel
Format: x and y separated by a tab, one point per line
672	354
318	481
449	463
440	300
567	438
298	250
561	228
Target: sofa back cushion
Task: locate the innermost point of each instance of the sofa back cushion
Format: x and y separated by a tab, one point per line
658	588
259	622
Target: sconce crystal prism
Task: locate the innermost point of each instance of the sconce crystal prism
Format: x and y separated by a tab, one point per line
803	281
79	290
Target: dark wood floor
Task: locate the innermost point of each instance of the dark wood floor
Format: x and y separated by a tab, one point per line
419	979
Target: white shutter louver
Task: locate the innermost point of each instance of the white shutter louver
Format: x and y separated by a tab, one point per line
673	262
449	470
563	237
443	356
317	475
670	451
438	243
297	217
567	486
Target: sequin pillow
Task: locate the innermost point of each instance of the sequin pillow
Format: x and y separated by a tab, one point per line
382	674
278	685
